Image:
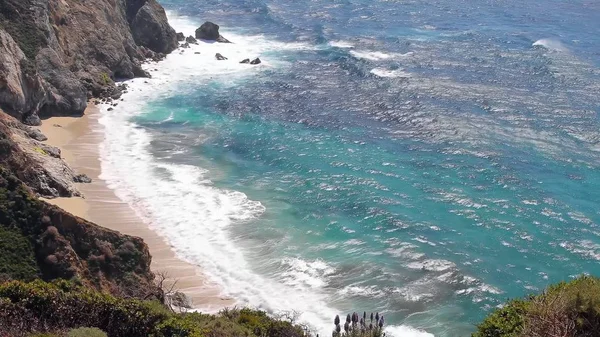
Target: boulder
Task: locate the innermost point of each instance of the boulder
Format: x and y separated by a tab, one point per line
221	39
82	178
185	45
210	31
180	37
220	57
36	134
255	61
245	61
191	40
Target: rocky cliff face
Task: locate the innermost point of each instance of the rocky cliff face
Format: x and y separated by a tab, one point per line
59	244
37	164
54	244
56	54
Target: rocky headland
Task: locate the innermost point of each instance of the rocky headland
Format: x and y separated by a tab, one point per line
57	54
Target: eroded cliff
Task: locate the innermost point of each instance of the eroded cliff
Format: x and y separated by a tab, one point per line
56	54
38	240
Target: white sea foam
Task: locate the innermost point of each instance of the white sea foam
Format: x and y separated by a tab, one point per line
550	44
377	55
299	272
180	202
341	44
432	265
405	331
382	72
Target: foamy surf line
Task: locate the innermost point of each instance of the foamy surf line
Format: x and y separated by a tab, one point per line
180	203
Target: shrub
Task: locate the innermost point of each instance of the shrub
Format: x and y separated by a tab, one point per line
356	326
568	309
105	79
86	332
16	256
59	306
41	306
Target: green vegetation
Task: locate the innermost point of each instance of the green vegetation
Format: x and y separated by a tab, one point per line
16	256
105	79
40	150
356	326
86	332
568	309
41	307
19	210
17	18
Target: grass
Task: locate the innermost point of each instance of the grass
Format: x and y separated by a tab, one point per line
40	150
86	332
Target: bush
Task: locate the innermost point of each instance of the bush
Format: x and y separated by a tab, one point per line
568	309
16	256
40	307
86	332
356	326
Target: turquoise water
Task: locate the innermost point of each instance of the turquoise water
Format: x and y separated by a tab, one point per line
425	160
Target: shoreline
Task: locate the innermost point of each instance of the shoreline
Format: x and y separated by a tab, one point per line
79	139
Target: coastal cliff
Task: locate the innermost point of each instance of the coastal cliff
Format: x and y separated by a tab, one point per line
38	240
57	54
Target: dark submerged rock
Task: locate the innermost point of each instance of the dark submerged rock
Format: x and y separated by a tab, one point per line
220	57
255	61
245	61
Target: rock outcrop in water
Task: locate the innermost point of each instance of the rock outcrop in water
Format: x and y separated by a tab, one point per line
210	31
56	54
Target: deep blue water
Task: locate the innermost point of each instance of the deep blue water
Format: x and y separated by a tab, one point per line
425	159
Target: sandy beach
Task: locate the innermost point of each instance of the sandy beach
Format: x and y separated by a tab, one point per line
79	139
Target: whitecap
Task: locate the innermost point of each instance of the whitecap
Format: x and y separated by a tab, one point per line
432	265
376	55
382	72
341	44
551	44
299	272
405	331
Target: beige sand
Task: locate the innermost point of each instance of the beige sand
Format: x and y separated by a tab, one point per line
79	139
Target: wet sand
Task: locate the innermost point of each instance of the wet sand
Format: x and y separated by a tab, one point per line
79	139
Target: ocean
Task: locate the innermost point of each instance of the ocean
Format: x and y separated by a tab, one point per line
426	159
